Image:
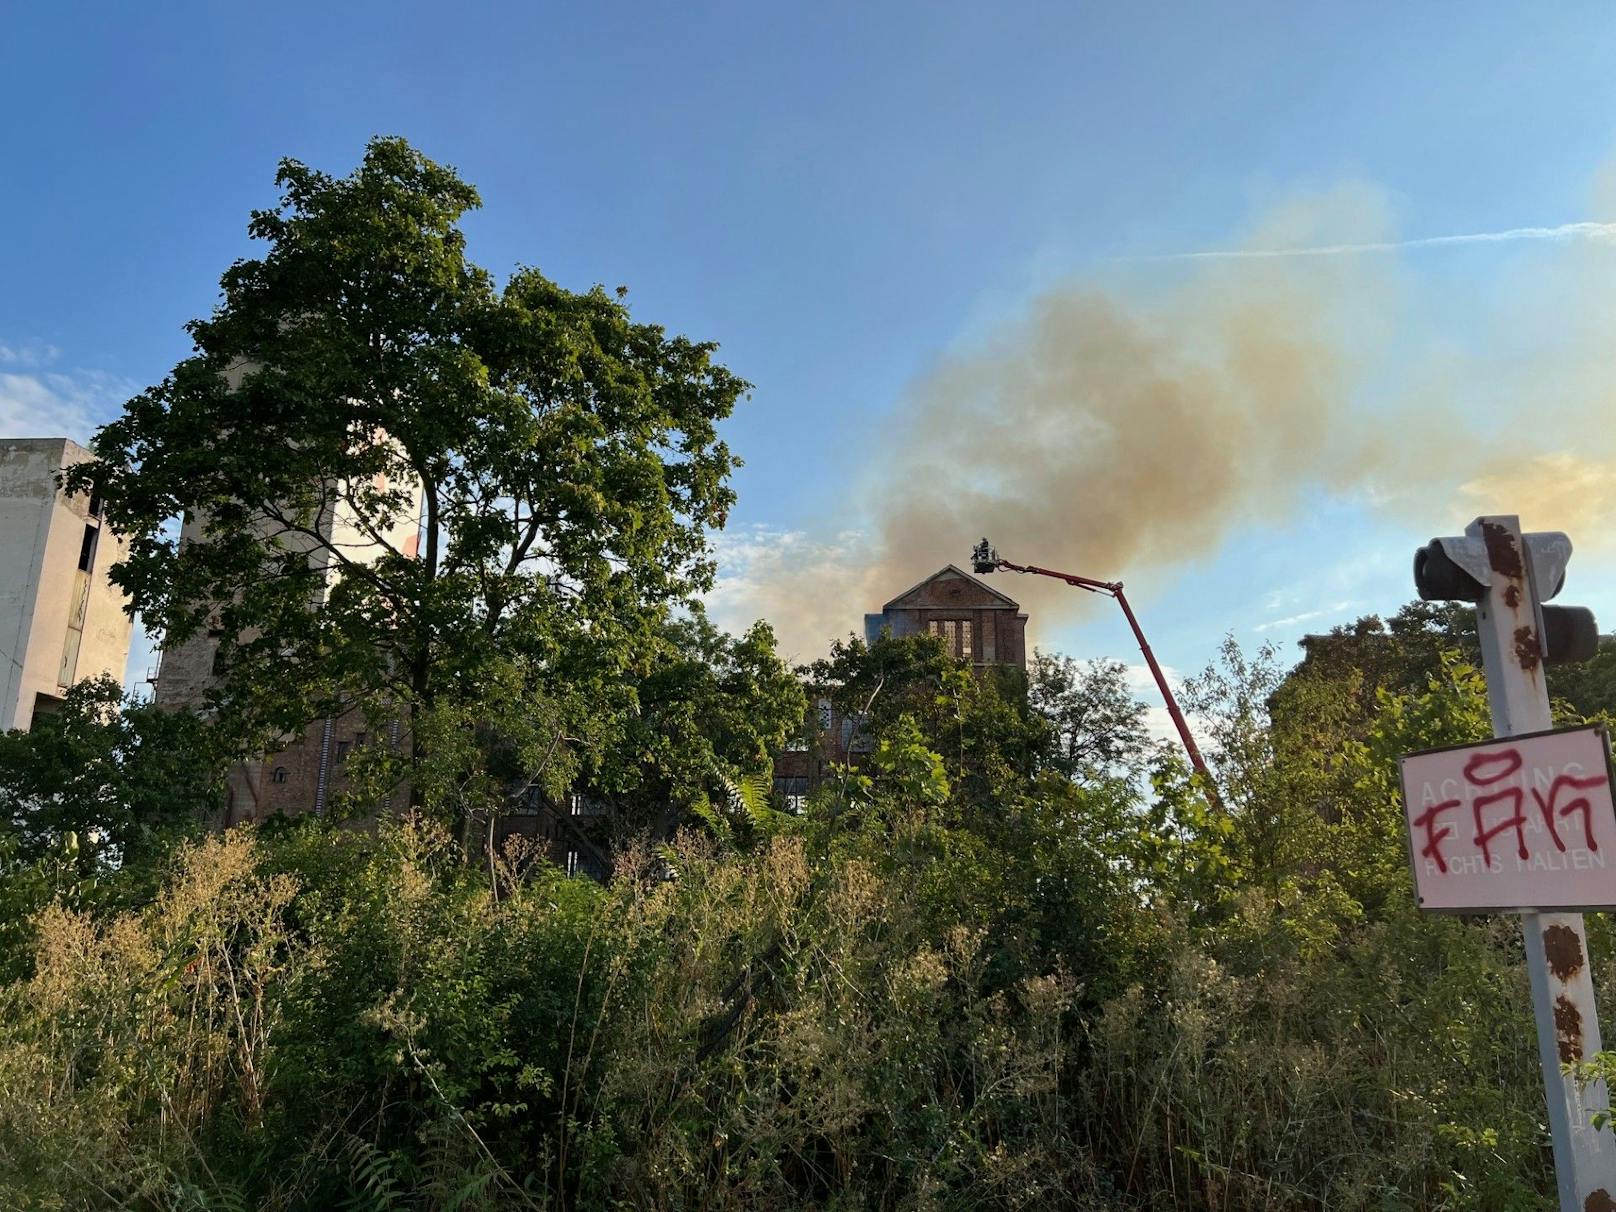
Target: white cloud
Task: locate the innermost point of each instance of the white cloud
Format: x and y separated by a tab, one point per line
45	404
1158	720
1143	683
1289	620
28	353
1334	610
1278	599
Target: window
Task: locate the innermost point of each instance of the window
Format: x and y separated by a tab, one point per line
342	750
45	705
87	549
586	865
278	775
792	791
956	635
530	801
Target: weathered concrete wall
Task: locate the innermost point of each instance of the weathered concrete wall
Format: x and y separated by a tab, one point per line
186	668
44	595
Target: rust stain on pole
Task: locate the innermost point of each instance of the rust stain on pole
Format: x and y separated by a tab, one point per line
1568	1030
1526	648
1502	553
1563	950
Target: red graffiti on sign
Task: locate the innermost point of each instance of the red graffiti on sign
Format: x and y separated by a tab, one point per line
1524	823
1580	804
1488	770
1433	836
1499	766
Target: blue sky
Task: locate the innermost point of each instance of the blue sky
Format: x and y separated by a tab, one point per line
847	196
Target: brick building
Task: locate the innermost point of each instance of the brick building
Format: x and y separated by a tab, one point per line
977	624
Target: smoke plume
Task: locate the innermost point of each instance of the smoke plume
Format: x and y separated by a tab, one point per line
1132	421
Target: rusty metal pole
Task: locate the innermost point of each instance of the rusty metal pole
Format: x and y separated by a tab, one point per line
1509	618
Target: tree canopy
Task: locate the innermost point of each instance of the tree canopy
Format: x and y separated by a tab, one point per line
414	490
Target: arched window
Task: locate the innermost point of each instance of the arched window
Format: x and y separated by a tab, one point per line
278	775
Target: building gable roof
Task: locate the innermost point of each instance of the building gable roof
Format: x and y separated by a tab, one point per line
951	587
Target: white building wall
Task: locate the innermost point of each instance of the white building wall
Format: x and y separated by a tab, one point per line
58	625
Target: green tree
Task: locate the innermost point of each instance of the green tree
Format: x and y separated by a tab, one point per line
564	460
711	712
103	779
876	684
1397	655
1099	725
979	721
1588	689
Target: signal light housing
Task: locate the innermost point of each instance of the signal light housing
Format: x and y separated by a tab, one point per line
1570	635
1458	569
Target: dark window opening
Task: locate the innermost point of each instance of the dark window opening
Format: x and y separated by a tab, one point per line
342	750
792	791
95	500
586	865
278	775
530	802
87	549
45	706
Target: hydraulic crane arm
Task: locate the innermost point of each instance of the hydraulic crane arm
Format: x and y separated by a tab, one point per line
987	559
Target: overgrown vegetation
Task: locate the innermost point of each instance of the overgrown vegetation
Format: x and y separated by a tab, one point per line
1013	958
953	982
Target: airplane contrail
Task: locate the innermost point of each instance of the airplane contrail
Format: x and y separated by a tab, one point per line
1604	233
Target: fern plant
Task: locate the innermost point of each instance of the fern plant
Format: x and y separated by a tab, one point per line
745	818
372	1178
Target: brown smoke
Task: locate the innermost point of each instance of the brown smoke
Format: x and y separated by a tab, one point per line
1128	425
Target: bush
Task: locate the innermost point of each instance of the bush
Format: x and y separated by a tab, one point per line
950	985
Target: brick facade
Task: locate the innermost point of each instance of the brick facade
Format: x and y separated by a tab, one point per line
997	628
979	624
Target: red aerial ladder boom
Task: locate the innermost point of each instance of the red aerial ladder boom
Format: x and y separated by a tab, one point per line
985	559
